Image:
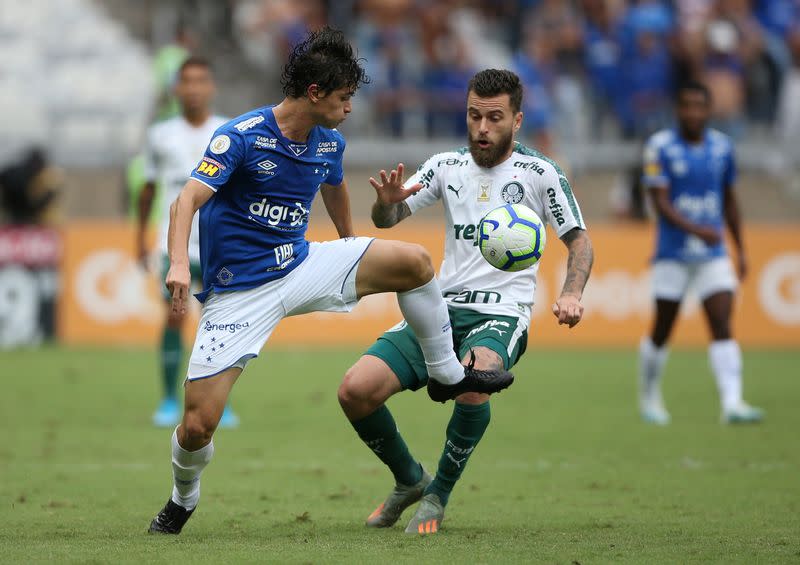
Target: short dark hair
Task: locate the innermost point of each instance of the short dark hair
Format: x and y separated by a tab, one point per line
693	86
493	82
195	61
326	59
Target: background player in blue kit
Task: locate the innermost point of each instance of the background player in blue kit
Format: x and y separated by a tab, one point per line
690	172
254	188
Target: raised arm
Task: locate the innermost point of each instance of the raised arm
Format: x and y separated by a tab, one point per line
568	308
390	207
337	203
181	212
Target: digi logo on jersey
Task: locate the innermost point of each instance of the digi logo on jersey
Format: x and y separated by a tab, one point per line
210	168
698	207
292	218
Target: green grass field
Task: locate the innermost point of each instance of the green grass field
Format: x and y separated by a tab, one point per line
566	473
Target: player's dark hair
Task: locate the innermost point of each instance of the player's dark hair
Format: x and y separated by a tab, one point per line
195	61
326	59
493	82
693	86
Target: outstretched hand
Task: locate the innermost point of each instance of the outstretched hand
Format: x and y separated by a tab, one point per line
391	190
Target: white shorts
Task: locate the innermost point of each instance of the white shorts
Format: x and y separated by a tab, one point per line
235	325
672	279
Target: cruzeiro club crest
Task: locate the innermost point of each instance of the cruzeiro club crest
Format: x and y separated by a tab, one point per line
512	193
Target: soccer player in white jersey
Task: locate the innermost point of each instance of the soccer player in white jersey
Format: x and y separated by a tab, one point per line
690	172
254	188
489	309
172	150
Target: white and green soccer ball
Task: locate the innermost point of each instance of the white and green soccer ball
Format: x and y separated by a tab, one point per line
511	237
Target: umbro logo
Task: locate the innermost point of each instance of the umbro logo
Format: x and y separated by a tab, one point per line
267	165
449	187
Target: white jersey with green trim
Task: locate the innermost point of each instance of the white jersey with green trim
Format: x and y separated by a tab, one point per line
172	151
468	192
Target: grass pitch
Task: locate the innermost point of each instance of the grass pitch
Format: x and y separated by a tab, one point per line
566	473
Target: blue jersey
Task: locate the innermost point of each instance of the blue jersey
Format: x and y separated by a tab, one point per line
696	176
252	230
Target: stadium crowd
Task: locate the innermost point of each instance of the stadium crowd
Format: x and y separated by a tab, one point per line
600	68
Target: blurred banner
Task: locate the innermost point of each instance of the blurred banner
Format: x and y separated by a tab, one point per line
29	259
108	298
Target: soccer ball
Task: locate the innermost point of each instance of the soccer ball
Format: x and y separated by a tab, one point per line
511	237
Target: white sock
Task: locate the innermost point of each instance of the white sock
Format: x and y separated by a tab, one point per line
426	312
651	367
186	469
725	358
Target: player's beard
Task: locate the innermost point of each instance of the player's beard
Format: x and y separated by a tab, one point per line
492	155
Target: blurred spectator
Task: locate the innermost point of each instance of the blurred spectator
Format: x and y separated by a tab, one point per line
534	64
789	108
268	29
777	19
447	70
723	69
788	118
602	52
386	39
29	188
647	73
735	67
556	23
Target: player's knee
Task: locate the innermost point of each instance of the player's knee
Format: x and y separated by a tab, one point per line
357	392
197	428
419	263
350	393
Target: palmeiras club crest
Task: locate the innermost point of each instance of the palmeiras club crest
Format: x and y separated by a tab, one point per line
512	193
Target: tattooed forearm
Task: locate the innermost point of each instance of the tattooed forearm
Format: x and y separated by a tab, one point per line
579	262
387	216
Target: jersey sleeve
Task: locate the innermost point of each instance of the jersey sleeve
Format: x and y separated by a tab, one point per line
654	168
561	208
149	158
224	154
431	190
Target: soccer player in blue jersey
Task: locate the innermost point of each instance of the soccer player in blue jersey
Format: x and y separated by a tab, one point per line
254	188
690	172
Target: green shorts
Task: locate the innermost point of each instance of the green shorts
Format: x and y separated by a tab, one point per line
399	348
194	270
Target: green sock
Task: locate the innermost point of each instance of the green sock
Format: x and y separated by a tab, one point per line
380	433
464	431
171	358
